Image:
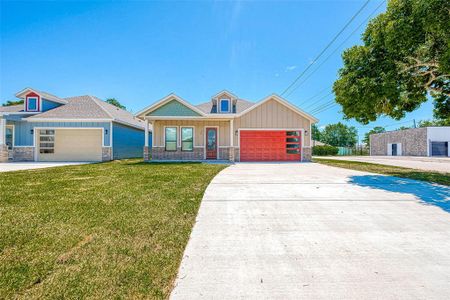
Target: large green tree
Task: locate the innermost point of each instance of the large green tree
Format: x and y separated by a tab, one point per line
339	135
315	132
405	57
115	102
377	129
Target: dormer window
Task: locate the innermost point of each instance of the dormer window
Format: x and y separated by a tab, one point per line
32	104
224	105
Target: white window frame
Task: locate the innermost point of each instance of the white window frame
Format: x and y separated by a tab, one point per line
47	142
181	138
229	105
176	137
37	103
13	135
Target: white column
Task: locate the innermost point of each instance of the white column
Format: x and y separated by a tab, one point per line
231	133
146	133
2	131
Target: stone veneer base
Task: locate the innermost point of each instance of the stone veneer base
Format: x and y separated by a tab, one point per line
4	153
106	154
23	154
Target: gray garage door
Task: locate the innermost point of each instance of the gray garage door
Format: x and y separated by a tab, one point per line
439	148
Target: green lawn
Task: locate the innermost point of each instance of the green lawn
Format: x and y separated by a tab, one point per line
108	230
434	177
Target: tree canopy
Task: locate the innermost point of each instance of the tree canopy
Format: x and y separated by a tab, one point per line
377	129
339	135
115	102
12	102
405	57
315	132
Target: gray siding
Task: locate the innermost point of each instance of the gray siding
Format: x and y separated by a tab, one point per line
24	137
128	142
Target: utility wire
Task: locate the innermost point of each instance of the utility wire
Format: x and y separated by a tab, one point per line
326	48
322	106
318	100
317	94
337	48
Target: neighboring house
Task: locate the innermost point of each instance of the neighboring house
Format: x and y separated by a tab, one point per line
425	141
228	128
83	128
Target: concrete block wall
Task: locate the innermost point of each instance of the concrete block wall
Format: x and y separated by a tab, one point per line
414	142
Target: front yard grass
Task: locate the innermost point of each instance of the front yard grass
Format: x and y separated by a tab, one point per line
107	230
433	177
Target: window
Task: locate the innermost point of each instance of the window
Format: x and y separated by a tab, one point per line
187	139
9	137
47	141
171	138
32	103
224	105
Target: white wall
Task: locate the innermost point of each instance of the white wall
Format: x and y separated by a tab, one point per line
438	134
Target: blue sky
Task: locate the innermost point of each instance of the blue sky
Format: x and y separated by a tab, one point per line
138	52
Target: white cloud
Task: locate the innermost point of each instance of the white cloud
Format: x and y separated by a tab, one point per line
277	74
290	68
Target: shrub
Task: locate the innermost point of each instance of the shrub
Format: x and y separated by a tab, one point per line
325	150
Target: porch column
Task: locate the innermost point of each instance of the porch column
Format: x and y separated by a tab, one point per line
231	151
146	149
3	146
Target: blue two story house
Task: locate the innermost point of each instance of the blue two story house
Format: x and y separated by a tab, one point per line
81	128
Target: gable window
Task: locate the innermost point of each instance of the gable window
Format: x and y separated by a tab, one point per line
32	104
187	139
170	138
47	141
224	105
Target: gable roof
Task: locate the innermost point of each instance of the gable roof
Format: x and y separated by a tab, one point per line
165	100
283	102
12	108
241	105
44	95
88	108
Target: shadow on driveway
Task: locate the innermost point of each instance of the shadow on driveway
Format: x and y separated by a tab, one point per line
429	194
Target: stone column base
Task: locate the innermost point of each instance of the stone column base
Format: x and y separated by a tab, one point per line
146	153
3	153
23	153
106	154
307	154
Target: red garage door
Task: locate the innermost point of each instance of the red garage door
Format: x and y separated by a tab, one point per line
273	145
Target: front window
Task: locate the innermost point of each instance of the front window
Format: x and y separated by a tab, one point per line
9	137
47	141
187	139
225	105
32	103
171	138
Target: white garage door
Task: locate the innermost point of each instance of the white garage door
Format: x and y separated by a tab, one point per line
69	145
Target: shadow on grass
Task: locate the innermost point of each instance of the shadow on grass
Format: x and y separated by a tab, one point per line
429	194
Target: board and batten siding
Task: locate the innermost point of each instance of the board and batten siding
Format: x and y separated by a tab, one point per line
272	114
23	136
199	128
128	142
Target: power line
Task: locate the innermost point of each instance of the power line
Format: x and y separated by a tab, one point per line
337	48
328	46
317	94
318	101
322	106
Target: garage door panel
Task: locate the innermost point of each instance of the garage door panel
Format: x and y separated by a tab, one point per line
270	145
75	145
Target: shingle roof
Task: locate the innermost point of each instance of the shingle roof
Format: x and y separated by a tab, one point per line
12	108
89	107
44	95
241	105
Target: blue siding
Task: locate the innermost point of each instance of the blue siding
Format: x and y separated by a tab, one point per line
24	137
128	142
47	105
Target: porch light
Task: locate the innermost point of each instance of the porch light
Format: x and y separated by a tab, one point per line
306	132
31	131
106	131
236	133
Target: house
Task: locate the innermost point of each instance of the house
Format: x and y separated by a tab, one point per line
82	128
227	128
424	141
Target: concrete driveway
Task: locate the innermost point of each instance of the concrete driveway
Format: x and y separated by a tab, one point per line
16	166
309	231
436	164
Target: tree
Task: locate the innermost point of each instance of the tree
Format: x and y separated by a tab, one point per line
428	123
405	58
115	102
377	129
12	102
339	135
315	132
